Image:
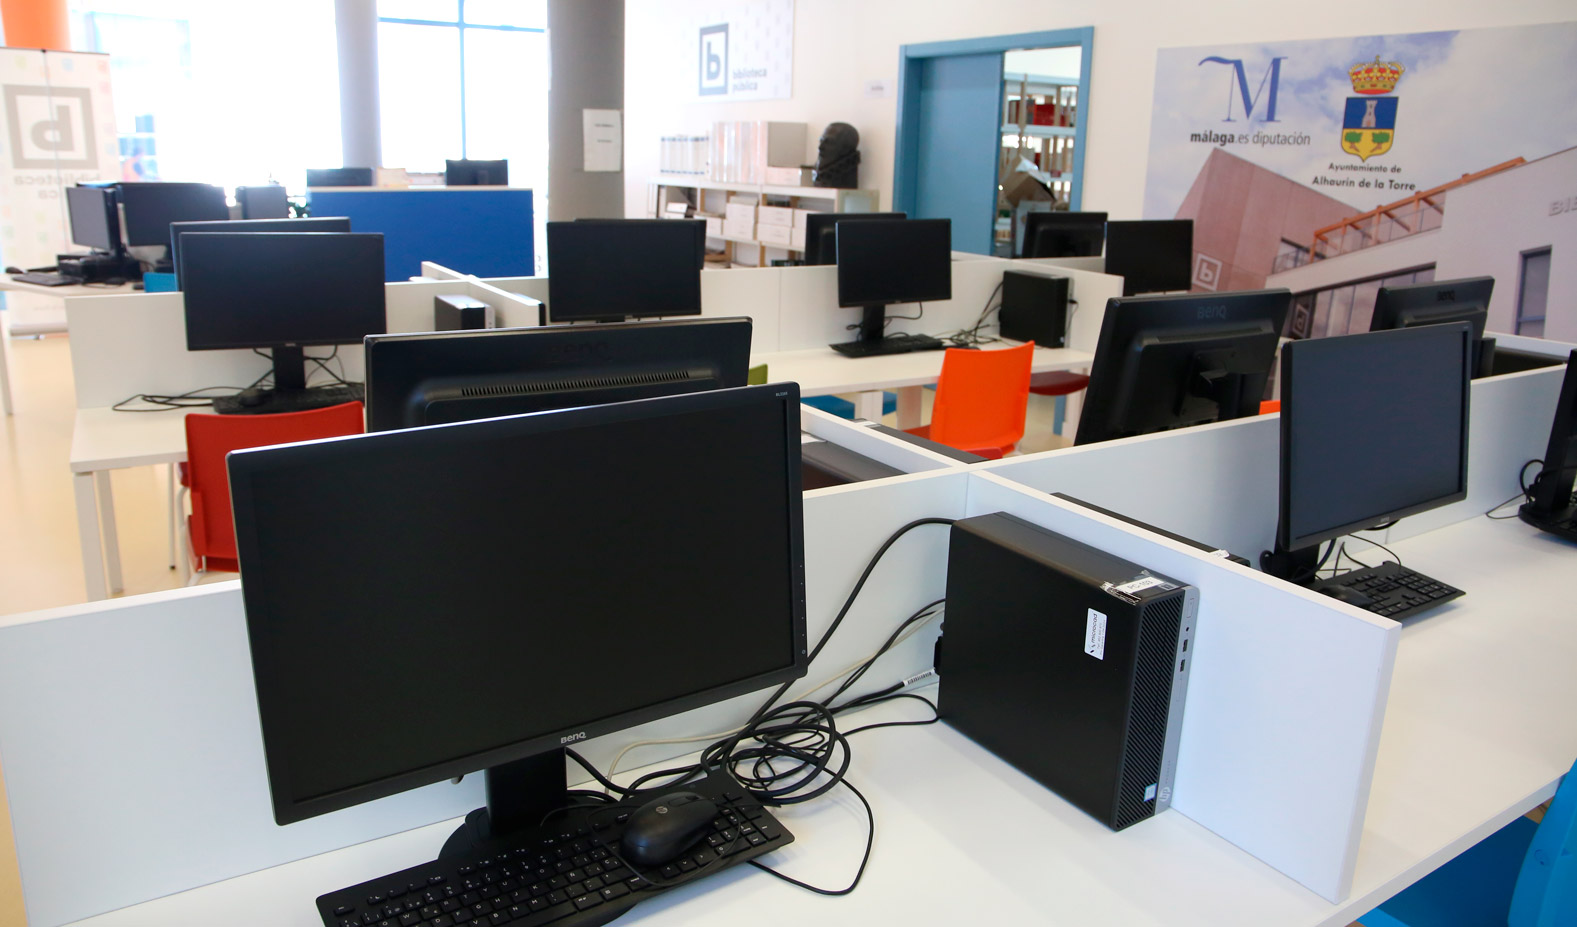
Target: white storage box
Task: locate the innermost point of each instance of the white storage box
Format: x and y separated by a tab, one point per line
775	215
779	235
740	212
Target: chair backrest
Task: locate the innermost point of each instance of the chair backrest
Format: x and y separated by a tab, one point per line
1546	892
981	397
210	437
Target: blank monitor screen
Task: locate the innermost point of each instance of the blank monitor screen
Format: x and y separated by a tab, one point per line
625	268
821	242
426	603
178	230
258	290
1153	256
339	176
1064	234
473	173
94	221
151	207
880	263
1374	426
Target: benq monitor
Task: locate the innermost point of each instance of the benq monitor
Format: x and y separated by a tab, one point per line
607	270
1171	361
1064	234
821	241
1463	300
440	377
1152	256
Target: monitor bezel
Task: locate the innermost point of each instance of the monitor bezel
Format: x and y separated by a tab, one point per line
252	226
244	465
851	265
1285	540
1408	305
683	306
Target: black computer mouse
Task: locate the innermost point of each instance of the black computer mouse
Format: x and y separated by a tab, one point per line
251	397
666	826
13	270
1350	596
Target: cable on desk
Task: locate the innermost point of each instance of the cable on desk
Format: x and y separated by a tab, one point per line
1525	495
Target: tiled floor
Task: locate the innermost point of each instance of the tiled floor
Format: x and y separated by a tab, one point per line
40	564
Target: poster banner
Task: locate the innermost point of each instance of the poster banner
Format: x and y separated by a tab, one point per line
1263	144
744	50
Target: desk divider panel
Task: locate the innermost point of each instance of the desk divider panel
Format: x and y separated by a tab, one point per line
130	344
863	439
439	272
1285	697
129	731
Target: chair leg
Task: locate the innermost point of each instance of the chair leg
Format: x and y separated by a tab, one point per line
184	570
169	486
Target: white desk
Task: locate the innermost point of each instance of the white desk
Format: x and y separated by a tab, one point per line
823	371
60	292
1476	732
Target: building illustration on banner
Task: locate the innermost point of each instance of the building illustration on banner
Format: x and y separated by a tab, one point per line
1302	180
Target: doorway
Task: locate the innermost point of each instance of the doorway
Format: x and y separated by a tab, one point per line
956	145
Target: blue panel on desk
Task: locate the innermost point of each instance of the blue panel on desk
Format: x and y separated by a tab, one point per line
486	232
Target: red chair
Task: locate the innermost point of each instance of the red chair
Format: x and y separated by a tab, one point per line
1058	383
210	530
981	399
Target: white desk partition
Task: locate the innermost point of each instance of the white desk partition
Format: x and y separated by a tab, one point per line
433	271
1285	698
861	438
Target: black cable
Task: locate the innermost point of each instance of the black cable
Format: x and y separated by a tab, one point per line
1376	544
1526	494
906	318
870	839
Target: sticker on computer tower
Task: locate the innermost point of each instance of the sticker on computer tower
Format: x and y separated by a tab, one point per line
1095	634
1144	582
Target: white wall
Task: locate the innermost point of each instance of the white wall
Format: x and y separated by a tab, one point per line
840	45
1489	224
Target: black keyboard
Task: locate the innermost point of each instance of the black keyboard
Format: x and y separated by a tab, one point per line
568	872
892	344
1393	590
296	400
42	279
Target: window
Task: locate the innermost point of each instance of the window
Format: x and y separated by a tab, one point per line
1533	291
1289	254
464	79
1347	307
215	92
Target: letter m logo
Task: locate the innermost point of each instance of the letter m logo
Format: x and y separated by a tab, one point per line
1250	101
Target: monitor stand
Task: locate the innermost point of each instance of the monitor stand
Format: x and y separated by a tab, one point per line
519	795
1294	566
873	322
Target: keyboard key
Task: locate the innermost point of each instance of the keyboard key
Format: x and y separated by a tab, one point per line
616	890
587	901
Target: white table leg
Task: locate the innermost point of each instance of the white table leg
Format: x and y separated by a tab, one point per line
910	403
5	364
1070	418
88	535
111	538
169	500
868	405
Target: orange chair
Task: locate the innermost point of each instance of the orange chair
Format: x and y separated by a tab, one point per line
980	400
210	531
1268	406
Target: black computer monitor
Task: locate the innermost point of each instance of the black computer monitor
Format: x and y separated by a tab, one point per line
314	224
1063	234
281	290
884	263
1551	504
1374	427
821	238
1464	300
339	176
427	603
613	269
472	173
95	222
1152	256
1169	361
269	201
149	208
433	378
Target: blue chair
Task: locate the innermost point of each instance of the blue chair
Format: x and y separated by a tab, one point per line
1523	875
844	408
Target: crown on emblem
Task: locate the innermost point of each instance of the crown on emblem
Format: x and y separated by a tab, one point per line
1376	76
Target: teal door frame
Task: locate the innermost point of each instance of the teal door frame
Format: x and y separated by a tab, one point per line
911	59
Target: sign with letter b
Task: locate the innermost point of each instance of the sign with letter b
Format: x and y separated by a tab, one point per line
714	60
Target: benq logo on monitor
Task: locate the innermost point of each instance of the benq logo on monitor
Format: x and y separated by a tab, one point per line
1213	312
571	738
714	60
1446	296
50	128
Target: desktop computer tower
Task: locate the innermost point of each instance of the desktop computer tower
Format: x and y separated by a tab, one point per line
1067	662
1035	308
458	313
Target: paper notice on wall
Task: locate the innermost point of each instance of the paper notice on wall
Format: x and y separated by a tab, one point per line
602	139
